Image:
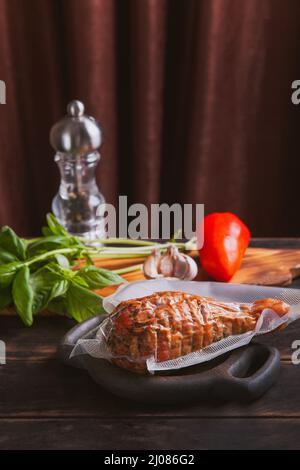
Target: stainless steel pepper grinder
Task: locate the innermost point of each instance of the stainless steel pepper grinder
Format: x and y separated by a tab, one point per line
76	139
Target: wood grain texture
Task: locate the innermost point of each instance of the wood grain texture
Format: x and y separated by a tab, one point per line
271	267
47	405
51	389
150	433
262	266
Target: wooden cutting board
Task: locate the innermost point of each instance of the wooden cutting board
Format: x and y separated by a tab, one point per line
262	266
270	267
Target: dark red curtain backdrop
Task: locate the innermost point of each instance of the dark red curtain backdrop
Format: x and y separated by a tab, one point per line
193	96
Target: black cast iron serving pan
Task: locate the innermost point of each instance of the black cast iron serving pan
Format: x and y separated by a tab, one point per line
242	375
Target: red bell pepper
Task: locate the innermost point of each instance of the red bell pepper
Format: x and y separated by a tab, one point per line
226	238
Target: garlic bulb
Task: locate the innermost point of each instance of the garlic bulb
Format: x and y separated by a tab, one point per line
171	264
151	263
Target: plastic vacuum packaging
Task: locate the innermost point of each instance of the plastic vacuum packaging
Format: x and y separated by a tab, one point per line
163	324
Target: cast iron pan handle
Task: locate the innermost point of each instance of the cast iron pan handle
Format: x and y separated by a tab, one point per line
245	375
249	373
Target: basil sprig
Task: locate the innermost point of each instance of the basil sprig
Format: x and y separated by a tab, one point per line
39	274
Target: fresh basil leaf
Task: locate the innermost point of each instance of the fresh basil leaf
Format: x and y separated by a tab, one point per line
5	298
60	272
66	274
7	257
58	289
41	282
8	272
46	286
88	259
23	295
9	241
46	232
78	280
54	227
62	261
52	242
82	303
75	241
97	278
45	294
32	293
41	296
58	305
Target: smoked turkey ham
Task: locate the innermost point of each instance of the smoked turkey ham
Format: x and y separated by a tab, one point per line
168	325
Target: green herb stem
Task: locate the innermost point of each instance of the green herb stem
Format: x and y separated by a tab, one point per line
137	250
121	241
114	255
49	254
129	269
120	252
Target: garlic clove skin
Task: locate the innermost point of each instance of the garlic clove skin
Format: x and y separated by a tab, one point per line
150	266
166	264
185	267
172	264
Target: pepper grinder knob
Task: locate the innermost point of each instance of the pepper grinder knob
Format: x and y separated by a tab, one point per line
75	108
76	133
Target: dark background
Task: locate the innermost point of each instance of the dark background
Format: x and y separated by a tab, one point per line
193	96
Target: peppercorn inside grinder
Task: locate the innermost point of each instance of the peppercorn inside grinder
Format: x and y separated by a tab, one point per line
76	139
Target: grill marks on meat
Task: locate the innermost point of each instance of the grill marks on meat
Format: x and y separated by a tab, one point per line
168	325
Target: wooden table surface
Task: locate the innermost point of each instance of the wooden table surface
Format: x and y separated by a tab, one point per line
47	405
